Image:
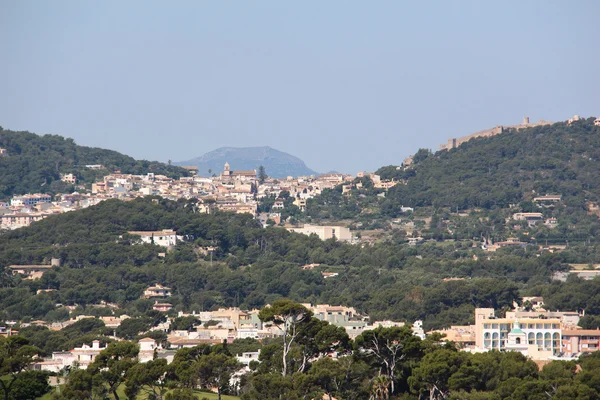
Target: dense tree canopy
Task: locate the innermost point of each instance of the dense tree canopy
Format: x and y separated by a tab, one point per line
34	163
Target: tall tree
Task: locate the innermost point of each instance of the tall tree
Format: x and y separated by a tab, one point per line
183	367
216	369
148	378
434	371
318	338
16	355
288	316
113	363
387	347
262	174
80	385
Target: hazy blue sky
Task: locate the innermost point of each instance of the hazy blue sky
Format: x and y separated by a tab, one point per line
343	85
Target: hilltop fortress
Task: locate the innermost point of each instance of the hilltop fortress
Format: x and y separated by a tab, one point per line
455	142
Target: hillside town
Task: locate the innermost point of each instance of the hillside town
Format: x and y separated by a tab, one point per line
231	190
214	327
273	201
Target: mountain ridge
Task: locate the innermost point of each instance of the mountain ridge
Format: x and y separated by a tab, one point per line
278	164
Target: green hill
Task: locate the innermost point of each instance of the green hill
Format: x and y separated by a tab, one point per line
251	267
34	163
506	169
488	173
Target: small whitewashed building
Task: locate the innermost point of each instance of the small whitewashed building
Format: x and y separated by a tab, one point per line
69	178
148	347
164	238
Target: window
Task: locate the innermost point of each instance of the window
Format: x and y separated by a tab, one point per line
547	341
555	341
518	340
539	339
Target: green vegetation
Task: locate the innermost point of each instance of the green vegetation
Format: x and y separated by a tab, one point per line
461	198
34	164
491	175
253	266
504	169
387	363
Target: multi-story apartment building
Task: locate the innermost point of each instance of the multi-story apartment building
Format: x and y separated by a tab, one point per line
538	338
19	220
580	341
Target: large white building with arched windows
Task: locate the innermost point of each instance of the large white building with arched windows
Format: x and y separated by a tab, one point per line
538	338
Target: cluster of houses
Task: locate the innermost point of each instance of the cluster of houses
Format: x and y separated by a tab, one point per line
231	190
530	329
24	210
222	325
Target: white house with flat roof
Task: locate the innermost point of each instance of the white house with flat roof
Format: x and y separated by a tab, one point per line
163	238
325	232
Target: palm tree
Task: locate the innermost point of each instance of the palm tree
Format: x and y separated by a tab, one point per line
380	387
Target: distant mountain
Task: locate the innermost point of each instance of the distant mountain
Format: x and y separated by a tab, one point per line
277	163
32	163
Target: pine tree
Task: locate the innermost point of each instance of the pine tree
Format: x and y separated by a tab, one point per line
262	174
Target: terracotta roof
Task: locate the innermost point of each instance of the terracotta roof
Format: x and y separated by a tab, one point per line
581	332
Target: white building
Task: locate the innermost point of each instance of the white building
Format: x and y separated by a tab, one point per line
30	200
68	178
83	356
244	333
417	329
164	238
325	232
148	347
538	338
247	357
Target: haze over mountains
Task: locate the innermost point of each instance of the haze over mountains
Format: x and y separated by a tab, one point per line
277	163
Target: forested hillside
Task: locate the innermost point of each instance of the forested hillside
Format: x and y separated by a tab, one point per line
508	168
489	173
34	163
253	266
